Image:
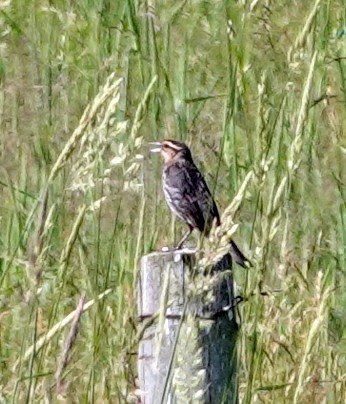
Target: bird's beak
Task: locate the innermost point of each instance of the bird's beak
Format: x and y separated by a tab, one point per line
156	149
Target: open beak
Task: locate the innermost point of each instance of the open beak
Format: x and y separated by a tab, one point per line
156	149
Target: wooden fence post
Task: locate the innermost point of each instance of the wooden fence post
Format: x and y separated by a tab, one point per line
187	351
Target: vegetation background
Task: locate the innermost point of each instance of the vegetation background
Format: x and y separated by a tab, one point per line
257	89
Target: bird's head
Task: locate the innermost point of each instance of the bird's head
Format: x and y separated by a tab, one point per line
171	150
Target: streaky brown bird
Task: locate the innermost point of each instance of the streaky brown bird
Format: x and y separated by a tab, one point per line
188	195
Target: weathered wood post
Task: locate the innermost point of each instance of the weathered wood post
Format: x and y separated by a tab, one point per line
187	351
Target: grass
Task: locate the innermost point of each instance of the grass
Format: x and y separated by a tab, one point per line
252	87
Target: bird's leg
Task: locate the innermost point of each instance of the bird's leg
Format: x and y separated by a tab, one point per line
182	241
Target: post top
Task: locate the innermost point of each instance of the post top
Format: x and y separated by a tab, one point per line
166	251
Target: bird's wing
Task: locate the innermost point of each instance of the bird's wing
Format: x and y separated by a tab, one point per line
204	200
189	194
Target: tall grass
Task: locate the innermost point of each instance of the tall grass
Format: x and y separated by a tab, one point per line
252	87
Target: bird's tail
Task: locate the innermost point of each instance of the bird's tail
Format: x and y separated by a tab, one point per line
238	256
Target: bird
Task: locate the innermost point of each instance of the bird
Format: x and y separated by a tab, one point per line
187	194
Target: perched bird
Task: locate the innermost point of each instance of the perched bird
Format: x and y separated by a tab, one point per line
187	193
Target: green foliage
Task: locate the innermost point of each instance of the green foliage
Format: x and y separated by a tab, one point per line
251	86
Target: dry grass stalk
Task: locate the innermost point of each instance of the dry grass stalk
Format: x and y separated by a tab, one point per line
37	246
41	342
66	353
321	313
110	90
